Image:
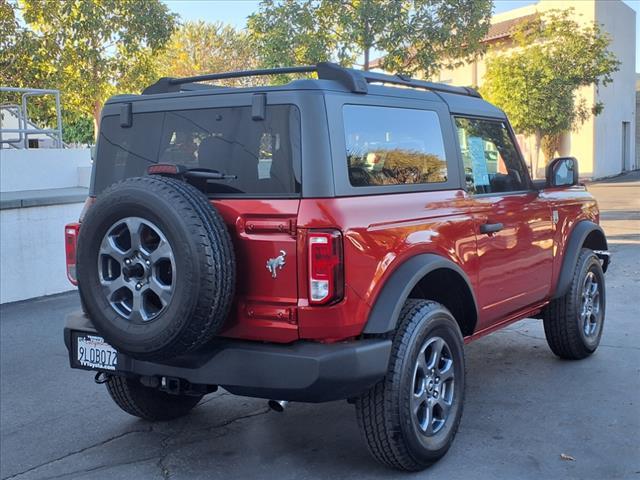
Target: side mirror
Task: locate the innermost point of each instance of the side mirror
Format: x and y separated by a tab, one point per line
562	172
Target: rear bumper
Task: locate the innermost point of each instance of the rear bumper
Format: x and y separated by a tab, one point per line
302	371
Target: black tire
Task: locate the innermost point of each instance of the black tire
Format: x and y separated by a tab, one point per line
148	403
203	281
384	412
565	328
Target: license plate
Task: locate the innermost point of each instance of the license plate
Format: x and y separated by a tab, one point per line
93	352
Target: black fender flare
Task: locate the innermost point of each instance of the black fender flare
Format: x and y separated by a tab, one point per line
386	310
577	238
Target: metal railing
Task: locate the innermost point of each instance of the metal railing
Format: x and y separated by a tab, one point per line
25	127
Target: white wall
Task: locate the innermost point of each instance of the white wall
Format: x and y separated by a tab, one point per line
32	256
42	168
617	19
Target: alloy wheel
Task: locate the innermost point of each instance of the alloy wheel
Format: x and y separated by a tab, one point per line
591	305
136	268
433	386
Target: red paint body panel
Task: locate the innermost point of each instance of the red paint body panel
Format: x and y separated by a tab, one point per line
380	233
573	205
265	307
512	272
515	263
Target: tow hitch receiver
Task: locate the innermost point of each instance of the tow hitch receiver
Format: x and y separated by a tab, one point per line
170	385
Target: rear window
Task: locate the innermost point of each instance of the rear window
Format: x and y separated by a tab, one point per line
392	146
264	155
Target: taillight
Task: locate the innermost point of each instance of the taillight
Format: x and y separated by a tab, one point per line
70	243
326	269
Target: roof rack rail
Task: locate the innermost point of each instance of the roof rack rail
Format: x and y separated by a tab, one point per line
375	77
354	80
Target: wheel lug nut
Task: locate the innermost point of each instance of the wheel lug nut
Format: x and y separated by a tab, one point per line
148	262
138	286
127	261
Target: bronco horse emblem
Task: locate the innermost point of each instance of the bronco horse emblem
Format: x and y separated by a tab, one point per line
275	264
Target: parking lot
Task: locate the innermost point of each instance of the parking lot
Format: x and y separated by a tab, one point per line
527	414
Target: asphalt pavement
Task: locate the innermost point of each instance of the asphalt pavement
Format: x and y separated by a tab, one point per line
527	413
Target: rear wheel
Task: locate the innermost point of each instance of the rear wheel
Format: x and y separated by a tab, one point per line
148	403
573	323
410	418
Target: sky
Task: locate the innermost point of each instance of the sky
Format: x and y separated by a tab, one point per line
235	12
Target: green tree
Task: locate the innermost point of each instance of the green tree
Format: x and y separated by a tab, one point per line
77	128
90	49
19	47
8	21
199	47
536	82
417	35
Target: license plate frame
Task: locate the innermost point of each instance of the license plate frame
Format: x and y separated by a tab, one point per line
103	358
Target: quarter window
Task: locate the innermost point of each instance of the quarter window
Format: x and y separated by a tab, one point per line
393	146
491	160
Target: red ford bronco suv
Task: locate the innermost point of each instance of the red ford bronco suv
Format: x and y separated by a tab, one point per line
340	237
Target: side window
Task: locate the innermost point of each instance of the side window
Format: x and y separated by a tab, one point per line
391	146
491	161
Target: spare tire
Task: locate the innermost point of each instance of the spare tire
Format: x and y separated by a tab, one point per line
156	267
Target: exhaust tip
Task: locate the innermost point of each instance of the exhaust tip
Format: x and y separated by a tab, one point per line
278	405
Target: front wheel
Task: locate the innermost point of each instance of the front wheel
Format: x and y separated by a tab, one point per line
573	323
410	418
148	403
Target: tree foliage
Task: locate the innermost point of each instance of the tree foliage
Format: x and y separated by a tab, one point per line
88	49
402	166
417	35
536	82
8	22
77	128
20	49
198	47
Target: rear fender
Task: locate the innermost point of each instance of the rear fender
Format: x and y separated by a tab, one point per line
386	310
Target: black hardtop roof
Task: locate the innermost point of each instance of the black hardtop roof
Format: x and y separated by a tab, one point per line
331	77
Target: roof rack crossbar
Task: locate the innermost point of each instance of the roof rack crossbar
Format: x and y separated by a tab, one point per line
375	77
354	80
170	84
243	73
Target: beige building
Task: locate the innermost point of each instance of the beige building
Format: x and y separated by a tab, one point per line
637	120
604	145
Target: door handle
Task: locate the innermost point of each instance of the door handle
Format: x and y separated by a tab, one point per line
491	227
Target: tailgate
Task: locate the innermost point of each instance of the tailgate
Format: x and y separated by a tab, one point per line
263	233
